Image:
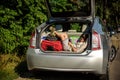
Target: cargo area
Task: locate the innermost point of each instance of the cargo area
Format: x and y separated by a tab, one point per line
76	41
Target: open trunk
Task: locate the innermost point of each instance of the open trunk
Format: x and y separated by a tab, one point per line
73	18
49	42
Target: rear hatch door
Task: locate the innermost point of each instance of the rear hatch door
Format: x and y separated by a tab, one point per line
71	9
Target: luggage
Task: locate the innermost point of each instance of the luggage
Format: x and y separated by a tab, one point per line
51	38
51	45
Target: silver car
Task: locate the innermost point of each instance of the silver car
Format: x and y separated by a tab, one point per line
47	53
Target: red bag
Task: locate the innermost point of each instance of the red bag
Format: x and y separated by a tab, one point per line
51	45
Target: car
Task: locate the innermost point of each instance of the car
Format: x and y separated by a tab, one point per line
47	53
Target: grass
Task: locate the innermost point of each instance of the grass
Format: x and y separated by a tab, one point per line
11	66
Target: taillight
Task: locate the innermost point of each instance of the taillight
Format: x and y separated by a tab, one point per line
95	41
32	40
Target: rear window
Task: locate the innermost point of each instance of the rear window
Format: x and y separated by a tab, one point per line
69	27
69	8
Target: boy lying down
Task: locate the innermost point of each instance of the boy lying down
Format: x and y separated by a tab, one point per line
67	45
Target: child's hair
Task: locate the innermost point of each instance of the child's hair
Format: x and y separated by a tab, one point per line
84	36
51	28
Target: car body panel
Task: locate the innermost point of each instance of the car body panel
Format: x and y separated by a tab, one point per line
91	63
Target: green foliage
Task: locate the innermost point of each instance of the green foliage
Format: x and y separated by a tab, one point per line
68	5
111	10
18	18
76	26
7	65
4	75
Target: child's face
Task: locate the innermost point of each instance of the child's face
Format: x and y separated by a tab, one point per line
82	40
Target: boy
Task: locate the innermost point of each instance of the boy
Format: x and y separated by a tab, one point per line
67	45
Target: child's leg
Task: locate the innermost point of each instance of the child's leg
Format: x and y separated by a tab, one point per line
62	36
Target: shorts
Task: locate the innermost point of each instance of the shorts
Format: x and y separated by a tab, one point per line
66	46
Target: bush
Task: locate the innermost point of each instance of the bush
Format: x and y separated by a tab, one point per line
4	75
7	65
17	21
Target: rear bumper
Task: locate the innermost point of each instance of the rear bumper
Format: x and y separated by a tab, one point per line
90	63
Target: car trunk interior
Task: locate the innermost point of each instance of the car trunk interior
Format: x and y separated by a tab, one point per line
50	42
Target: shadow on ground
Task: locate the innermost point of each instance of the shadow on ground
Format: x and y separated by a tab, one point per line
22	70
